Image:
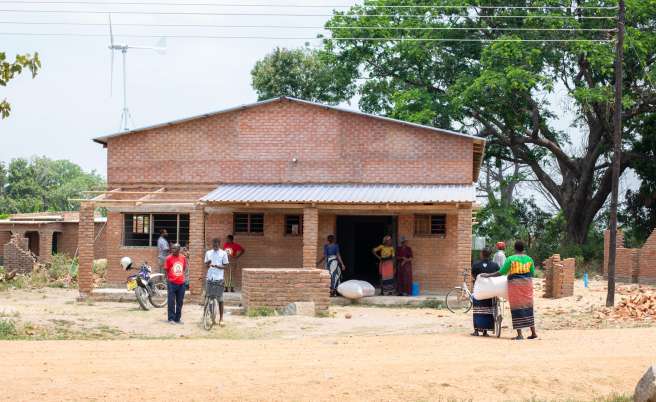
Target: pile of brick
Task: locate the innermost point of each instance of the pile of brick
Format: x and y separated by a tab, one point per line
559	277
638	304
17	256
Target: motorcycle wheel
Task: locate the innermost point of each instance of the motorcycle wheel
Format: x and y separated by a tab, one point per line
158	294
142	297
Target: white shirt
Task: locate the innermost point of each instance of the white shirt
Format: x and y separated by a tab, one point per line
216	257
499	258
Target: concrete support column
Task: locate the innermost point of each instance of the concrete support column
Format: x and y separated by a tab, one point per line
463	241
85	239
45	245
310	237
196	251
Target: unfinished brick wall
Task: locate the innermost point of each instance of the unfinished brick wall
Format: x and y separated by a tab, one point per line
637	265
17	256
5	236
559	277
276	288
329	146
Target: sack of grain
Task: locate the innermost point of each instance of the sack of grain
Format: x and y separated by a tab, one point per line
351	290
487	288
367	288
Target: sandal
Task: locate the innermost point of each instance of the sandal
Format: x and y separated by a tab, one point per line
517	338
474	334
533	337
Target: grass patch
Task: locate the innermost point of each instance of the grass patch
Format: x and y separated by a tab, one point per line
8	329
261	312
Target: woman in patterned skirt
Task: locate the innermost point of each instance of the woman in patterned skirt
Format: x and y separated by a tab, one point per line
484	309
385	254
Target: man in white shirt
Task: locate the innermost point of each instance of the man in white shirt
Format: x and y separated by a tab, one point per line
500	255
216	260
163	250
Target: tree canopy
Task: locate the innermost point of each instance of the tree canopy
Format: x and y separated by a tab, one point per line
42	184
9	70
301	73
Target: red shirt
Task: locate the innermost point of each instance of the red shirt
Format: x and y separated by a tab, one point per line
175	269
233	249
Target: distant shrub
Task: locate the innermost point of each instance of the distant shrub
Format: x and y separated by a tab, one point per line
261	312
100	267
7	329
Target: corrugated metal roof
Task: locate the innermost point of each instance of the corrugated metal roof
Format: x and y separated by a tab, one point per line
105	138
342	193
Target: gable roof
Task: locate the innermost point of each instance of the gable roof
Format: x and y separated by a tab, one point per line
103	139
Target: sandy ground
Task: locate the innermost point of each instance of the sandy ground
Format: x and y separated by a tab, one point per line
377	354
561	365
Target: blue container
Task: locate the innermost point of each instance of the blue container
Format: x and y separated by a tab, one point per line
415	288
585	279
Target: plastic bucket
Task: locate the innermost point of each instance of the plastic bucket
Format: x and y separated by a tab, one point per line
415	288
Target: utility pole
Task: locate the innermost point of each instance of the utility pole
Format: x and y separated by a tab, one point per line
617	155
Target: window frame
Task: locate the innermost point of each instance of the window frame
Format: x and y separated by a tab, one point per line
300	225
249	230
430	232
152	236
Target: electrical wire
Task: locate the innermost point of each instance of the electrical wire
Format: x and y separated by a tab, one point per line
364	39
308	27
135	3
300	15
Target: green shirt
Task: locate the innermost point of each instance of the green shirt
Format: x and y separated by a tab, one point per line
518	265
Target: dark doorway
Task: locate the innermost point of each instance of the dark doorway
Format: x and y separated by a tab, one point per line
56	238
356	236
33	242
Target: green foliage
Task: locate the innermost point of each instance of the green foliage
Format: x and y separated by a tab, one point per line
261	312
42	184
7	329
100	267
300	73
10	69
62	268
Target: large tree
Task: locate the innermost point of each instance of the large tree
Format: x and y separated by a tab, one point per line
300	73
501	90
10	69
42	184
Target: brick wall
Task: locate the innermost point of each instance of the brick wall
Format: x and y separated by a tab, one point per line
5	236
257	145
16	255
276	288
647	261
559	277
626	265
85	249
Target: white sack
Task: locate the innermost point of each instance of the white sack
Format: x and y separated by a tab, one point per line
487	288
367	288
350	290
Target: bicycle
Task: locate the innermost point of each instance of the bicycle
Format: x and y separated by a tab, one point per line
459	299
212	291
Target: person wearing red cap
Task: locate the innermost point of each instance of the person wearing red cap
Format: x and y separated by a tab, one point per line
500	255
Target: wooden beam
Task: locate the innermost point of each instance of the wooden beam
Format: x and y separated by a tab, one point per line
103	195
149	196
144	192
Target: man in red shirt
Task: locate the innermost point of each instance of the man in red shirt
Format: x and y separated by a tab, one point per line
234	250
176	266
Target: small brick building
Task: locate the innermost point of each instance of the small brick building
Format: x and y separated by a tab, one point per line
637	265
281	175
46	233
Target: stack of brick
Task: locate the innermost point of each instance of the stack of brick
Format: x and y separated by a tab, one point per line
559	277
277	287
17	256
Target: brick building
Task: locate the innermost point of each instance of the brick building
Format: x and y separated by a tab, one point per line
46	233
281	175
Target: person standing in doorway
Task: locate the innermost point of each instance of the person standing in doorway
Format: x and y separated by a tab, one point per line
385	254
163	249
235	251
404	269
216	261
500	255
484	309
334	263
520	270
176	266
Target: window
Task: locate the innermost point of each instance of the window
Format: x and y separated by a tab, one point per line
430	225
249	223
142	230
293	225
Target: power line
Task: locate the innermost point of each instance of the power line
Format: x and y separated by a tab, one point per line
134	3
300	15
364	39
308	27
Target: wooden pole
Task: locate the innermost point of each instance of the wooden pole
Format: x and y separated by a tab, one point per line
617	155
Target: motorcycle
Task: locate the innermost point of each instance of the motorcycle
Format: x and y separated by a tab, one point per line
148	287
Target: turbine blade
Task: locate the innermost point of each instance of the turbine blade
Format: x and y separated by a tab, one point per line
111	33
111	73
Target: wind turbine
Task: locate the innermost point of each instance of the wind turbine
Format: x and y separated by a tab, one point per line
123	48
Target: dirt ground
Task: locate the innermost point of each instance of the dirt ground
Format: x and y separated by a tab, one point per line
377	354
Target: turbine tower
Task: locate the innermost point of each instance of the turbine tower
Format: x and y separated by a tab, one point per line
126	117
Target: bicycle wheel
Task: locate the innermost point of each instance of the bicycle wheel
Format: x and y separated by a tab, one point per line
458	300
142	297
158	294
498	319
214	306
207	315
